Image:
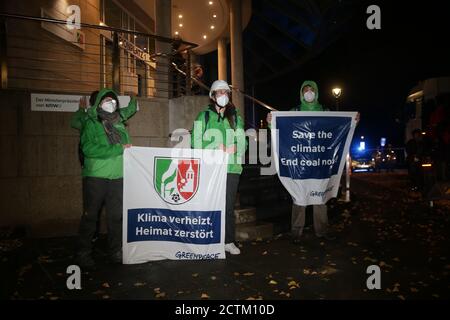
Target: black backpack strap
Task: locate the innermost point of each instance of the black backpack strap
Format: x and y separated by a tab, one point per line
206	118
206	121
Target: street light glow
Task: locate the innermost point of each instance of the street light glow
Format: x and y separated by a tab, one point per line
337	92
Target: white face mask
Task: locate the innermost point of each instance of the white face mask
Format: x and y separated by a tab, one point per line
309	96
222	101
109	106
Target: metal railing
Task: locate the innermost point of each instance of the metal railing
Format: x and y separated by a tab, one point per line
39	59
54	58
34	56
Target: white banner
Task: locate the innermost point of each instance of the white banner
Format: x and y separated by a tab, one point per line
173	204
309	152
63	102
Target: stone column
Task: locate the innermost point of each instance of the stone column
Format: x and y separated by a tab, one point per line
163	27
237	63
222	59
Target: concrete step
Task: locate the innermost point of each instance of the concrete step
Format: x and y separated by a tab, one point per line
245	215
253	231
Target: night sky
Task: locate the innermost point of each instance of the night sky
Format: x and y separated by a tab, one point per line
375	68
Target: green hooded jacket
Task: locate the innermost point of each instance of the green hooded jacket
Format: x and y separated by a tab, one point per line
103	160
201	139
309	106
78	119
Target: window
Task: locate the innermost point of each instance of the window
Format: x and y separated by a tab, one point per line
113	14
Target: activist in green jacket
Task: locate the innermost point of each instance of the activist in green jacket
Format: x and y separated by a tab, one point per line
220	127
309	101
201	138
103	137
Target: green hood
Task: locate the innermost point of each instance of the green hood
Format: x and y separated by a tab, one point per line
310	106
92	111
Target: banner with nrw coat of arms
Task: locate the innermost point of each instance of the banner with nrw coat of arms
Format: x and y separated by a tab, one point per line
173	204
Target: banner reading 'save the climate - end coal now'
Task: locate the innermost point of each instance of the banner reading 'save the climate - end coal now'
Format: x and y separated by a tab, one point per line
174	204
309	151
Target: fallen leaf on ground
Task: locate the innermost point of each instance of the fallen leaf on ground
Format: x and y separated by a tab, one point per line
98	292
204	296
139	284
384	264
24	270
272	282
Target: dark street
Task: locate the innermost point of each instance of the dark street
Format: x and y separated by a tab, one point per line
206	153
383	225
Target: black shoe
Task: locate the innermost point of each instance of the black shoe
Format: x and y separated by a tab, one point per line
85	261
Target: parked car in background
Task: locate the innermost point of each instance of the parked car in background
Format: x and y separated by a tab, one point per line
363	164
